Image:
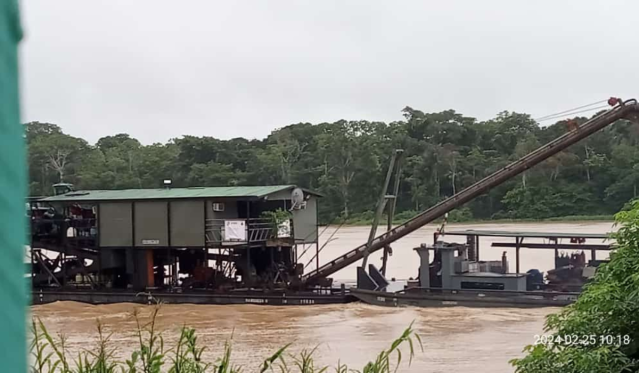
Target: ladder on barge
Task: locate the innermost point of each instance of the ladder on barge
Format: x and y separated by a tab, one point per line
628	109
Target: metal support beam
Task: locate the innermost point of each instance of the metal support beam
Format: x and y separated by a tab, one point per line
424	266
248	265
556	251
381	203
387	251
133	269
205	251
63	267
554	246
98	245
518	241
391	208
317	234
168	224
43	265
32	261
271	249
205	218
169	264
472	253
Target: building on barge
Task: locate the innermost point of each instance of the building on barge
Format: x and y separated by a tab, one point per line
240	240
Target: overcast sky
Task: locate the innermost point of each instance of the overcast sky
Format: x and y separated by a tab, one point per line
163	69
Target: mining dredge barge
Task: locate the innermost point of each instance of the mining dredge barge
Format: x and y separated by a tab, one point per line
231	245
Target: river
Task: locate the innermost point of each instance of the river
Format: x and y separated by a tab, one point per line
454	339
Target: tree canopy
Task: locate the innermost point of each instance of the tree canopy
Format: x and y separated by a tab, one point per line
347	160
600	332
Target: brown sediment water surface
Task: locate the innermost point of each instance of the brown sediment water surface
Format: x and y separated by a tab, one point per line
454	339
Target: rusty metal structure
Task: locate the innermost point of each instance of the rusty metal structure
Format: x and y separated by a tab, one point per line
628	109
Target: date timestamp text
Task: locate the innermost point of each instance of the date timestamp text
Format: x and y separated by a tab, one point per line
584	340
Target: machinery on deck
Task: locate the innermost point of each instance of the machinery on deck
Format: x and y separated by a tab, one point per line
570	270
457	277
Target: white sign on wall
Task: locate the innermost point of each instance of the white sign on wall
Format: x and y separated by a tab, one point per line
234	230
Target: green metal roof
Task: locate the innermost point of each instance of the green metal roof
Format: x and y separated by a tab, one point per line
470	232
172	193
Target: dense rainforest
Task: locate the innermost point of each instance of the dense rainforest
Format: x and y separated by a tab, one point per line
347	160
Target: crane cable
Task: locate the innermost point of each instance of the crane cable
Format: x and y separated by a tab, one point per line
330	238
602	107
318	236
577	110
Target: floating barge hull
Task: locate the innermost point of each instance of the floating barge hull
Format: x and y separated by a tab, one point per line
97	297
460	298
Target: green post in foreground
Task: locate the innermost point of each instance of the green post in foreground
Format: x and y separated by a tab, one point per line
13	292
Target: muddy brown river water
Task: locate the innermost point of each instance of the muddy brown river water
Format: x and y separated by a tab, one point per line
454	339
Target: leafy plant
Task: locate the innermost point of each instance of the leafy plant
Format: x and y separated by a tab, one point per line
383	362
101	360
277	356
149	358
276	218
305	364
188	356
42	360
224	364
608	306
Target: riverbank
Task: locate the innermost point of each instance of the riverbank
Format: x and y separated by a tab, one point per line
360	220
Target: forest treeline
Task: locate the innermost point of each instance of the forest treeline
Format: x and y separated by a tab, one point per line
347	160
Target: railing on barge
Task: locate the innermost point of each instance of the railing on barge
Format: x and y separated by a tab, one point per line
481	292
229	232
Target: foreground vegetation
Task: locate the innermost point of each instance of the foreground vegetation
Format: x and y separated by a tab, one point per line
49	354
346	161
600	332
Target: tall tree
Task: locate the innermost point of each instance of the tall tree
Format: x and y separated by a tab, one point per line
444	152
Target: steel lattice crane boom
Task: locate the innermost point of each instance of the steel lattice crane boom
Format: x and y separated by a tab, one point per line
621	110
